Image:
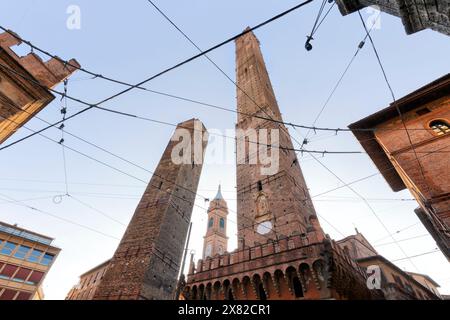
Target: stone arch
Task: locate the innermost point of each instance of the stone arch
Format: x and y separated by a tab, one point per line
304	272
260	290
319	270
194	293
201	292
227	290
186	292
208	291
237	289
294	282
248	288
216	290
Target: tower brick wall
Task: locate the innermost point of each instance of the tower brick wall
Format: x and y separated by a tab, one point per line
280	201
147	260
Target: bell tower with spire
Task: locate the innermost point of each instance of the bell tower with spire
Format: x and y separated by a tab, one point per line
216	240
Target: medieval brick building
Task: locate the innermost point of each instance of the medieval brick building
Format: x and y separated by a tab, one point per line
24	84
282	251
415	15
148	258
89	281
395	283
416	159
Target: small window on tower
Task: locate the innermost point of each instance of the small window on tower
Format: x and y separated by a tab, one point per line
440	127
211	222
222	223
259	186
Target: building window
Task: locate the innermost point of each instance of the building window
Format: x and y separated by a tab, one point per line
35	255
439	127
47	259
259	186
211	222
222	223
35	277
8	248
8	271
22	274
22	252
23	296
8	294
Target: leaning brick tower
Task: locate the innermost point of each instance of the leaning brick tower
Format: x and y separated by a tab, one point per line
147	261
268	206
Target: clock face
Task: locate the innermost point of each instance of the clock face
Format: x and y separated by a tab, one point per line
208	250
264	227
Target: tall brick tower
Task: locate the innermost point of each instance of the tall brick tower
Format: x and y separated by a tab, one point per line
268	206
147	261
216	240
283	253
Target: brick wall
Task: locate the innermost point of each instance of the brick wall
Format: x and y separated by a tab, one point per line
147	261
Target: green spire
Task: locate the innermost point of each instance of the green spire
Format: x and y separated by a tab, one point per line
219	194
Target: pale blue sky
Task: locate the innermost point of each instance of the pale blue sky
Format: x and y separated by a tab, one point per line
130	41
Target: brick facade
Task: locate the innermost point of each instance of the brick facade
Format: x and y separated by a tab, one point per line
24	83
416	15
148	259
297	267
395	155
89	282
282	200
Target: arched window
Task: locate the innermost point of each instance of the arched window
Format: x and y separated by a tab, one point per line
298	291
211	222
262	293
440	127
230	294
222	223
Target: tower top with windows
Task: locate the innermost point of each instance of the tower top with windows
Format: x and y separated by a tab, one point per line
216	240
